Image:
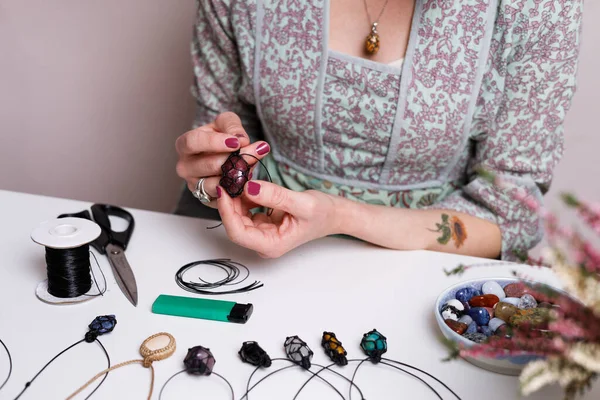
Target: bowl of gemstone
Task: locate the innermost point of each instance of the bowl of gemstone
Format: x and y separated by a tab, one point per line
471	312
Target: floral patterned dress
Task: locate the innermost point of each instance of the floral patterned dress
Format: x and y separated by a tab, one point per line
484	84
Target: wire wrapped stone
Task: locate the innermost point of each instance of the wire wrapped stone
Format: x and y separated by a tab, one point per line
253	354
298	351
199	361
374	344
99	326
334	349
235	171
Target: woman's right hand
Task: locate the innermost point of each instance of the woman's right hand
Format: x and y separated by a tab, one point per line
203	150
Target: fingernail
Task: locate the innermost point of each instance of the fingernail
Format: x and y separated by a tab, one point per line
253	188
218	192
263	148
232	143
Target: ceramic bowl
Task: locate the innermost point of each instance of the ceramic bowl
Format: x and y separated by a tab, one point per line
508	365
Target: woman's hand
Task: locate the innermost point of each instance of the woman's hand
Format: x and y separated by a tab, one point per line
297	218
202	151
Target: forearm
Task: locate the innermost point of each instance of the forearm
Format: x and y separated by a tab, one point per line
407	229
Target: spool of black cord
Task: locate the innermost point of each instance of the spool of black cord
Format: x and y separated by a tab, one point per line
70	278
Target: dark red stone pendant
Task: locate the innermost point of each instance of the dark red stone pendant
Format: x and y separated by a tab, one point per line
235	172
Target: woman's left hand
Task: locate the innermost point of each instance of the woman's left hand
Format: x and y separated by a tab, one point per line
297	218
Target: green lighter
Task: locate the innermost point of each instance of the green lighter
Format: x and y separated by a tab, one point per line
216	310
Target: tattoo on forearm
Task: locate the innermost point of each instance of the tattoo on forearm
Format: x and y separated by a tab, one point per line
451	228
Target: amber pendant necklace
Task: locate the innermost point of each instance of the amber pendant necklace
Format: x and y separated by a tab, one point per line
372	41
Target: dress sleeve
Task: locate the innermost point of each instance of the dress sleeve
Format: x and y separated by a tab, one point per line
523	141
219	82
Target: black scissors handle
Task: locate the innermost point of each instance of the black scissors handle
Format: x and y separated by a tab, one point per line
101	212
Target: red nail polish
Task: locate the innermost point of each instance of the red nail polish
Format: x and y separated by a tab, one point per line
263	149
218	192
253	188
232	143
250	175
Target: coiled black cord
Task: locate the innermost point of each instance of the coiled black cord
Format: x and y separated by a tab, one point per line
68	271
231	268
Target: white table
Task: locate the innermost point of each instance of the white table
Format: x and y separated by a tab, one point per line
332	284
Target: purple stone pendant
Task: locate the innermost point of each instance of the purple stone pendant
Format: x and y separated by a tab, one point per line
199	361
235	172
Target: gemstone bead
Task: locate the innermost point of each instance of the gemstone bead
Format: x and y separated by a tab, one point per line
504	331
504	311
485	330
103	324
298	351
465	294
456	304
493	287
465	319
199	361
480	315
450	312
486	300
475	337
374	344
516	289
472	327
457	327
512	300
490	310
495	323
372	43
535	317
252	353
527	301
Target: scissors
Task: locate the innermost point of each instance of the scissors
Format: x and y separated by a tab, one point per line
113	244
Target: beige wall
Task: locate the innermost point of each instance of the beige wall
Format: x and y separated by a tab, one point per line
93	94
92	97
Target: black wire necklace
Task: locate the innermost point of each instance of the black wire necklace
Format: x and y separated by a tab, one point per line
198	361
10	365
374	345
98	327
298	354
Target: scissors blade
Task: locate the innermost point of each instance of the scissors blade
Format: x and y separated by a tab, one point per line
122	271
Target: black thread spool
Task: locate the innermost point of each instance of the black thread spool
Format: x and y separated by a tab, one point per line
66	241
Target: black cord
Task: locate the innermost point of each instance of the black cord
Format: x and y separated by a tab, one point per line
58	355
68	271
426	373
10	364
328	367
414	376
232	270
183	370
281	369
100	291
387	361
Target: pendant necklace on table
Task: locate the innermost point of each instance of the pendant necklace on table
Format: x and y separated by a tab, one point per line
372	41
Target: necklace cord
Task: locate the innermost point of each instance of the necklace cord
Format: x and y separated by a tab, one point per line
10	364
182	371
371	22
328	367
106	371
